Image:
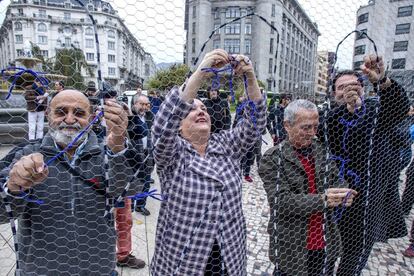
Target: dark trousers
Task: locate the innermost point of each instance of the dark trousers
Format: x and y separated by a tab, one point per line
215	264
408	194
247	161
315	265
147	185
354	253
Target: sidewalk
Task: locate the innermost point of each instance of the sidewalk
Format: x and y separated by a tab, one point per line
386	258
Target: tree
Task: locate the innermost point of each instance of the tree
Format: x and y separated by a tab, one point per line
47	63
69	62
166	79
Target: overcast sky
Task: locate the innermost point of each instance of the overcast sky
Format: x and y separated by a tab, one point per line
159	24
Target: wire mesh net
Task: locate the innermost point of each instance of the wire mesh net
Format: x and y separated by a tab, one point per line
206	137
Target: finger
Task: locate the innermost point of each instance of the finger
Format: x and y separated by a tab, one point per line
367	62
38	162
41	176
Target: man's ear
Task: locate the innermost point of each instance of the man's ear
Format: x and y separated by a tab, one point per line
286	125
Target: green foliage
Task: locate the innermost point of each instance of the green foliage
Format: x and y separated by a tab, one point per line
166	79
69	62
47	63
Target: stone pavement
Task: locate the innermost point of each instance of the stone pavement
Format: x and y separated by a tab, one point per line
386	258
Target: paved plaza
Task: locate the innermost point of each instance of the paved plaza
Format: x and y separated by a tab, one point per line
386	258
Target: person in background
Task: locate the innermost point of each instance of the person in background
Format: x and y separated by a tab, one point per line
36	99
275	119
155	101
139	130
219	111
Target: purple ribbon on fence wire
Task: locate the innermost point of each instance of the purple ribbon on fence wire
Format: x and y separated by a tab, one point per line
43	80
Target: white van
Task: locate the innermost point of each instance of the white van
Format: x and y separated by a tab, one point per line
131	93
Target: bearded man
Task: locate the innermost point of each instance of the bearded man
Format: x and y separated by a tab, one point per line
67	233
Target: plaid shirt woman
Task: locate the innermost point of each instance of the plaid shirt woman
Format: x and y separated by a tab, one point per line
200	175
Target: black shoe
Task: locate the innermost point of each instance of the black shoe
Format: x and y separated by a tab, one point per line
144	211
132	262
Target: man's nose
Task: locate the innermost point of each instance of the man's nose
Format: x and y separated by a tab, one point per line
70	118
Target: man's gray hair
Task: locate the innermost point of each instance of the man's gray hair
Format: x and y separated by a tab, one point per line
293	107
136	97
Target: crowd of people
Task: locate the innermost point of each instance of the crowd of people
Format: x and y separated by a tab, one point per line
331	177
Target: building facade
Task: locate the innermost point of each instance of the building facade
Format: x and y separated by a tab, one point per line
57	24
283	60
390	25
323	69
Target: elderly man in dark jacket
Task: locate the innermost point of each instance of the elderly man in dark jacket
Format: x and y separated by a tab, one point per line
67	233
360	135
301	227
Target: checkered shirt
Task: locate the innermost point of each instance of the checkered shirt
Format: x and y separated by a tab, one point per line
204	194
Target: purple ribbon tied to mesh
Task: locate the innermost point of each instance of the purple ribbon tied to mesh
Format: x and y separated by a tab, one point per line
43	80
152	193
215	85
339	211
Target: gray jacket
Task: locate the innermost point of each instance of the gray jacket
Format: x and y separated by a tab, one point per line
295	206
67	234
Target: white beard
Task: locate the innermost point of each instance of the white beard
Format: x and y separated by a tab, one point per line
65	137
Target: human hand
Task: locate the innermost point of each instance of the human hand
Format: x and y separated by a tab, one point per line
242	65
337	196
373	68
116	120
214	59
27	172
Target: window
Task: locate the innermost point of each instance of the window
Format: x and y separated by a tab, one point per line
363	18
44	53
272	31
361	35
111	71
232	12
42	39
20	11
42	14
19	38
194	11
269	85
194	27
402	28
20	52
232	46
248	45
111	58
270	65
271	45
111	34
147	69
111	45
89	43
405	11
273	10
68	5
66	15
248	28
398	63
216	14
233	28
216	44
400	46
216	27
42	27
89	31
90	56
18	26
357	65
359	50
193	45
